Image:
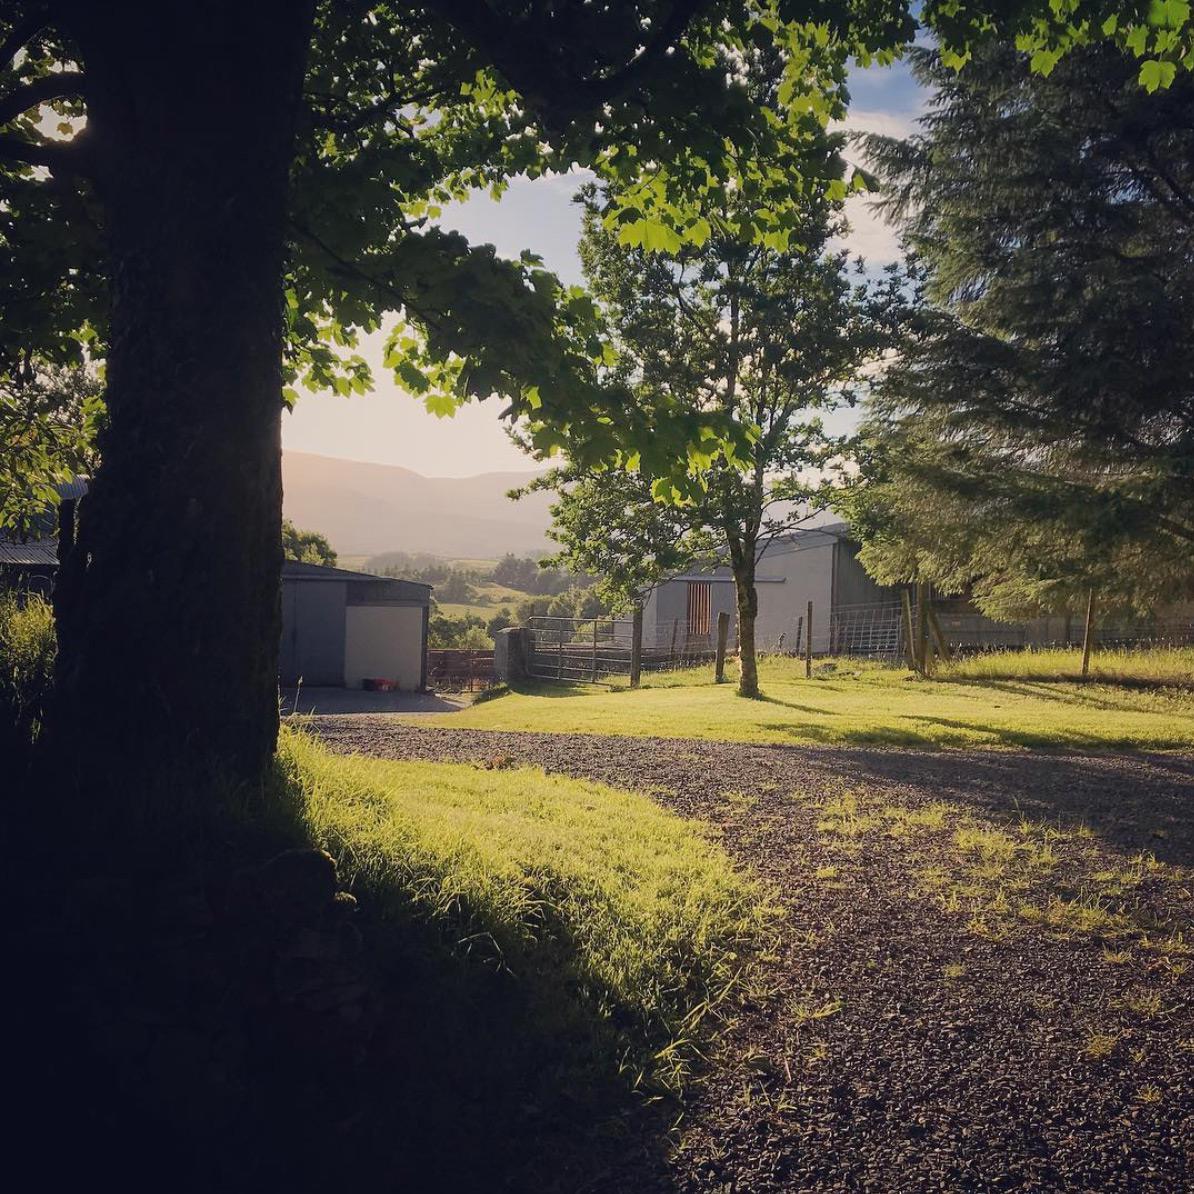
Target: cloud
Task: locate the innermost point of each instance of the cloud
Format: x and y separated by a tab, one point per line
870	236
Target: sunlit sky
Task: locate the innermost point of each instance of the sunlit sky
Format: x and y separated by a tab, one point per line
389	427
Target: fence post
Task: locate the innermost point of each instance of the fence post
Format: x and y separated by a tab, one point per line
909	641
560	656
922	627
723	631
808	643
636	646
1088	632
942	646
594	668
671	655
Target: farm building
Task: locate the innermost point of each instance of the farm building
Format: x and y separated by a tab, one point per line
819	564
338	627
852	614
342	628
29	567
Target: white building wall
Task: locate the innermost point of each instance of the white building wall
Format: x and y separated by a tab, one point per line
383	641
805	568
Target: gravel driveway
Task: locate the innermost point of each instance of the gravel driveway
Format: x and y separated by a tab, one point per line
926	1032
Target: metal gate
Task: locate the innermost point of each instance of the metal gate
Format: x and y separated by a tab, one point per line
582	650
591	650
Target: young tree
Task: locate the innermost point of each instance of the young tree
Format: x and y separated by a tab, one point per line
609	526
1037	434
768	339
252	188
307	547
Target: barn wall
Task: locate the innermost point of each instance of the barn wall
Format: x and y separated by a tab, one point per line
312	646
853	585
805	569
384	641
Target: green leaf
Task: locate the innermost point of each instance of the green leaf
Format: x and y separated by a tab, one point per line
1168	14
1156	74
443	406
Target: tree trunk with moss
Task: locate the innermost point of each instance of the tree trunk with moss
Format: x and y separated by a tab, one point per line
743	566
168	605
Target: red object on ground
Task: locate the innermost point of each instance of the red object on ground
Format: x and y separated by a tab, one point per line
377	684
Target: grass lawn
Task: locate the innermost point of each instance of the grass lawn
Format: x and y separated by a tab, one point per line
1017	701
615	915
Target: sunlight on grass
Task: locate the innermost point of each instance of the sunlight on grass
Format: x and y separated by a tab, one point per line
1159	666
589	892
863	703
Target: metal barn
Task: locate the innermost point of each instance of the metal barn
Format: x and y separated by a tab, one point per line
818	564
341	628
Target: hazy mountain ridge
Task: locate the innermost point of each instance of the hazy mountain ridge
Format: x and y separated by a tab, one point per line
368	508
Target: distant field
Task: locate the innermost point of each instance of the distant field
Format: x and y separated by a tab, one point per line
851	703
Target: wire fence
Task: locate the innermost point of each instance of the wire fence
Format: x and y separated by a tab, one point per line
880	631
456	670
591	650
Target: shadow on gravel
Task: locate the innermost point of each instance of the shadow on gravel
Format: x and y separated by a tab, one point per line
1141	802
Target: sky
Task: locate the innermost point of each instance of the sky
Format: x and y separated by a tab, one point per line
390	427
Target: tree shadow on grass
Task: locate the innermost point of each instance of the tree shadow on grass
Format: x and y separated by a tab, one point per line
1084	695
553	689
145	1029
1060	738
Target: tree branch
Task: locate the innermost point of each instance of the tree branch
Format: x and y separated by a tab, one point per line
22	33
523	55
64	157
42	90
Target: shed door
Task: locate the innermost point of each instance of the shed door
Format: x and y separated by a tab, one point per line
288	656
698	607
312	647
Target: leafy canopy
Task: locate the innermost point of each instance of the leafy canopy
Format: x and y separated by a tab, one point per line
406	108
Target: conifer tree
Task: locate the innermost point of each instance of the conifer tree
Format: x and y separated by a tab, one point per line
1036	435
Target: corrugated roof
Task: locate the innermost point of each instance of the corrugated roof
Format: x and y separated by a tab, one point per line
40	554
412	590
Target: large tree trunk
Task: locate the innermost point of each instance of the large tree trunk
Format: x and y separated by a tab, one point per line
169	607
748	611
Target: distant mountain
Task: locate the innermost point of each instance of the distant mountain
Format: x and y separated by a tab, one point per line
369	508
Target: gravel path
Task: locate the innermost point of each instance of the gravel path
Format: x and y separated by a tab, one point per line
1013	1010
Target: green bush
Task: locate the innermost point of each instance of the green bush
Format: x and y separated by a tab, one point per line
27	648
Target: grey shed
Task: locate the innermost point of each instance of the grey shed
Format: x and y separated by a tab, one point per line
340	628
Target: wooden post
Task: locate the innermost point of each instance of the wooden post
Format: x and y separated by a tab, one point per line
594	666
1088	632
636	647
923	647
808	642
942	646
671	655
909	640
723	632
560	656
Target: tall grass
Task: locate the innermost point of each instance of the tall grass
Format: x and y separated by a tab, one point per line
593	897
27	649
1160	666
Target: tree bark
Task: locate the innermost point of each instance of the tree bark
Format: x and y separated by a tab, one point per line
168	605
748	611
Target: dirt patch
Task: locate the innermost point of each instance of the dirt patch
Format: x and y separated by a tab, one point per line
986	979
